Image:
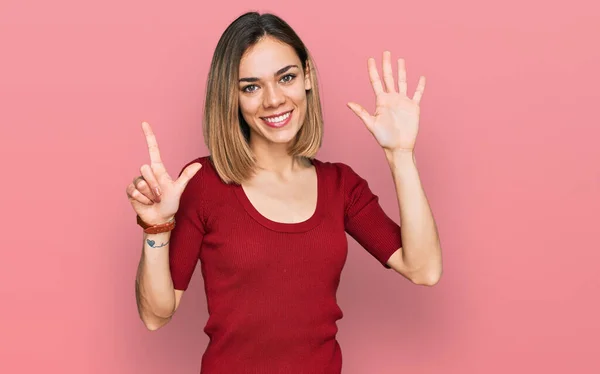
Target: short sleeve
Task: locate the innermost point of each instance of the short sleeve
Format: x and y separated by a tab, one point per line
186	237
365	220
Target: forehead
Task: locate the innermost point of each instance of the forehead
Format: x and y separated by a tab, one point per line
266	57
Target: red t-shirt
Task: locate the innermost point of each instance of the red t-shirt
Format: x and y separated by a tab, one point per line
270	286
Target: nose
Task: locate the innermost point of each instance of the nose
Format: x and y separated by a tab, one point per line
273	96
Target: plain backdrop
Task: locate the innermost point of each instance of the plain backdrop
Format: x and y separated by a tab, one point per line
507	152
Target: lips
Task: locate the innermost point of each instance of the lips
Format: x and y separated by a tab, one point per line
276	115
278	120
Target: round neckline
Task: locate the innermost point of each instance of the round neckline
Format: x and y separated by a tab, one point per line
305	225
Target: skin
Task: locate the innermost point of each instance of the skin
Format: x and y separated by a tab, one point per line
272	93
282	179
395	125
272	82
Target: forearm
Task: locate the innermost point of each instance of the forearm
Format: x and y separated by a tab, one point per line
155	294
421	250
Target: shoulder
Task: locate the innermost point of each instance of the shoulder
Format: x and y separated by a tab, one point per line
353	188
339	172
206	182
344	181
203	160
204	191
207	171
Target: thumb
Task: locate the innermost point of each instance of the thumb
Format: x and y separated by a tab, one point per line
187	174
361	113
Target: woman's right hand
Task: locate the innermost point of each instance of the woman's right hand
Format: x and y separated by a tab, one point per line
154	195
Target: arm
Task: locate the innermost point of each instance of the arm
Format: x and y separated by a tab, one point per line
155	198
395	125
420	258
156	298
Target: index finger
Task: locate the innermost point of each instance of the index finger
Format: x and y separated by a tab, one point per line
152	144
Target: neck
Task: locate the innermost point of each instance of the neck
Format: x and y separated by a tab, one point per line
275	158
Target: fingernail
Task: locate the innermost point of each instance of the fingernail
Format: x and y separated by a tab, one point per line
157	190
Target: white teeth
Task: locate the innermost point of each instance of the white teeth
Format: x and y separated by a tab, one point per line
278	119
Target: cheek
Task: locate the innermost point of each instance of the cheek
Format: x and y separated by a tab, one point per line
301	103
246	105
298	96
248	108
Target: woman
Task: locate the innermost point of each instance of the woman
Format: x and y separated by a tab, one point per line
266	219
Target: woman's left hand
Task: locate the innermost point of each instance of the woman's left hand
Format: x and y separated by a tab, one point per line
395	124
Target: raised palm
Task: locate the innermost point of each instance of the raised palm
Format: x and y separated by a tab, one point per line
395	123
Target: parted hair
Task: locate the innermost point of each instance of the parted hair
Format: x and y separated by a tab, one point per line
226	133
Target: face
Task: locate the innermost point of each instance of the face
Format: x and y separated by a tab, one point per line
272	92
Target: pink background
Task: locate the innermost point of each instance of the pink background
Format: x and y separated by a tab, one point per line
508	155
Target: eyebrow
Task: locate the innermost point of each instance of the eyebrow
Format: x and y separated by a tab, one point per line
279	72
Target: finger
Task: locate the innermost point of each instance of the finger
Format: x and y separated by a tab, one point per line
402	85
142	186
419	91
374	77
152	144
134	195
152	182
187	174
388	76
362	113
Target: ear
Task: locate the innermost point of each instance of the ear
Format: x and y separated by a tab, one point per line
307	77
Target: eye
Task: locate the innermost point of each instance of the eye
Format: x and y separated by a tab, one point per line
288	78
250	88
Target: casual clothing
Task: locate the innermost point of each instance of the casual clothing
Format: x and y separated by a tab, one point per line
270	286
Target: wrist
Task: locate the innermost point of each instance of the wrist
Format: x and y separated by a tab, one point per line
150	228
159	221
153	242
399	156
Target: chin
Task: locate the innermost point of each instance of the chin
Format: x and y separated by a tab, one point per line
279	137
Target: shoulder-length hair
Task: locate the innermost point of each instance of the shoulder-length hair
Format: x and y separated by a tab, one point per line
226	133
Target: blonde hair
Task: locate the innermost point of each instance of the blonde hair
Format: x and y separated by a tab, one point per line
226	134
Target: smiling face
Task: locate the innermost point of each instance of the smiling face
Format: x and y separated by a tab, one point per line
272	92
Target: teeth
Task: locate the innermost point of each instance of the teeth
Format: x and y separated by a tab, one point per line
278	119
